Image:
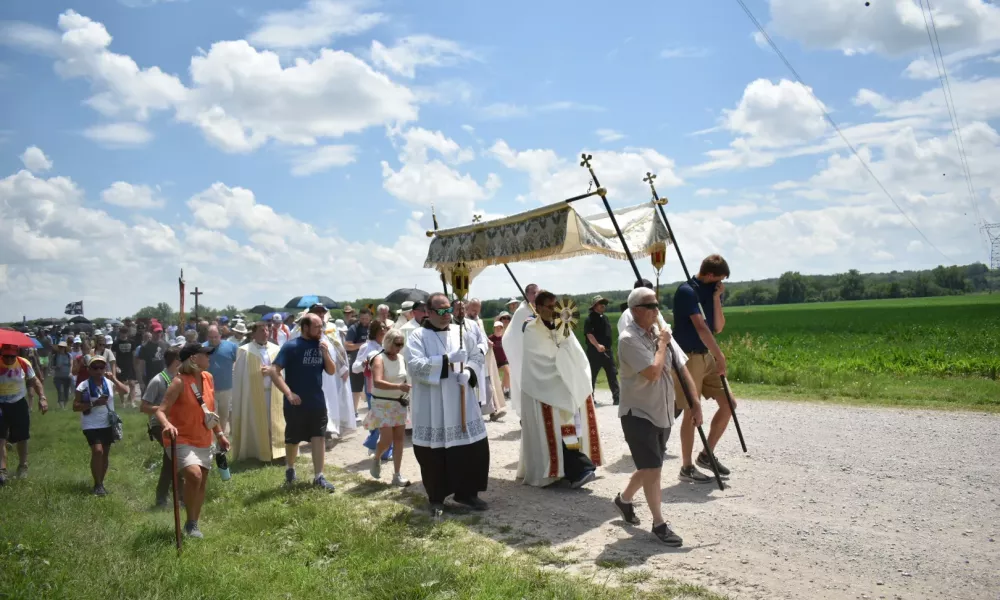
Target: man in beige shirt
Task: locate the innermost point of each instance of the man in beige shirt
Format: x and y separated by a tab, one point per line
647	406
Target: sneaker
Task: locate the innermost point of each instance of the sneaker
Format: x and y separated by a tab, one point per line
400	481
693	475
191	530
22	472
705	462
627	510
100	491
376	469
667	536
506	394
289	476
322	483
583	480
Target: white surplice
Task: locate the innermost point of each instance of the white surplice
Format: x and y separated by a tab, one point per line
435	401
512	345
556	404
494	387
480	349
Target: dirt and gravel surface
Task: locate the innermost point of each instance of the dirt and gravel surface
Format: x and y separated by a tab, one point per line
830	502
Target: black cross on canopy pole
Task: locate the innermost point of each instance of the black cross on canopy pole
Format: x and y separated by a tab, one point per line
687	274
688	393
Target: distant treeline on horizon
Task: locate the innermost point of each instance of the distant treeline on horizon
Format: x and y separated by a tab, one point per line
791	288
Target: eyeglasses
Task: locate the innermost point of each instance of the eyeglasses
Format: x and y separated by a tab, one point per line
649	305
444	311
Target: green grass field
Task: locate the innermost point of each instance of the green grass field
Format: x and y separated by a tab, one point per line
368	541
933	352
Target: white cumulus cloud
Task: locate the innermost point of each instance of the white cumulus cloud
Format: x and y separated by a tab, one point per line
127	195
35	160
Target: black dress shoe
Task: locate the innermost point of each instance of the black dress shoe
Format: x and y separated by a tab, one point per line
475	503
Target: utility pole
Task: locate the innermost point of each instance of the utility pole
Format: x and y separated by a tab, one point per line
196	293
993	232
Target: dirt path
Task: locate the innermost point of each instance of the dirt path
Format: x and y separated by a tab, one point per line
830	502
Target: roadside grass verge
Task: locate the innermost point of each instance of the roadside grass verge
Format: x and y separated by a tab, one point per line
262	540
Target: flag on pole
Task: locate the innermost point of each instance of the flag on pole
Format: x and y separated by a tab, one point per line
74	308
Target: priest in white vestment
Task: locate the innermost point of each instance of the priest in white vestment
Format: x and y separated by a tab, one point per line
493	402
559	435
341	418
417	315
476	352
513	343
258	423
454	456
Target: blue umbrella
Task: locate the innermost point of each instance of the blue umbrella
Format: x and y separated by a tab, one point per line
270	316
35	340
307	301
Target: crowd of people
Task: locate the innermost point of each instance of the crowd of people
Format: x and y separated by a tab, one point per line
272	386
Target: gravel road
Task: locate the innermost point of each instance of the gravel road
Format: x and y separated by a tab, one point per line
830	502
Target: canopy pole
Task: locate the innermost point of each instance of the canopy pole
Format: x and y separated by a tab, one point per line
677	366
461	333
687	274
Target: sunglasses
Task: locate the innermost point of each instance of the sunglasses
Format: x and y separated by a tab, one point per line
444	311
98	367
398	345
650	306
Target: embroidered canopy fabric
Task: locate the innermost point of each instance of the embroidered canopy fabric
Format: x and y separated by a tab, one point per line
551	232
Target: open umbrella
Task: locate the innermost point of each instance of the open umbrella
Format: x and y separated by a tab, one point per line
261	309
15	338
35	342
79	319
403	294
112	322
307	301
270	315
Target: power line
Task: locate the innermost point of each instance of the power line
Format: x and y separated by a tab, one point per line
949	100
836	128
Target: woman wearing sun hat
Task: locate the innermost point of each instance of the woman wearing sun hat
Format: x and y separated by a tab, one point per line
95	400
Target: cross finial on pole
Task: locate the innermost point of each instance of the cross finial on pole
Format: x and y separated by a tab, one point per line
586	160
649	178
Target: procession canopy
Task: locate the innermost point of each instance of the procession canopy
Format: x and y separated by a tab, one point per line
551	232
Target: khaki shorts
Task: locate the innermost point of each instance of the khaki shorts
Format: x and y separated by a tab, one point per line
190	456
707	382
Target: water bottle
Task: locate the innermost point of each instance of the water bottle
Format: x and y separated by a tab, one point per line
223	464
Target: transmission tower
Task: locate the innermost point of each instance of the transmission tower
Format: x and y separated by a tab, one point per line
993	232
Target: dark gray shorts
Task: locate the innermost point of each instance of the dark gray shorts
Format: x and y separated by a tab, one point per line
646	441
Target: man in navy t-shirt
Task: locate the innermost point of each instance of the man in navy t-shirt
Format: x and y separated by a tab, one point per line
303	361
694	333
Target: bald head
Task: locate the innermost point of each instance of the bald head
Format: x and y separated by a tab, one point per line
311	326
214	337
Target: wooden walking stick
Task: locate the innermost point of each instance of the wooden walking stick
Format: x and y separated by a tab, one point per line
177	502
687	274
677	368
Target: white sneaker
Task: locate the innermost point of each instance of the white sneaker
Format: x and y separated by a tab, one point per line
399	481
376	469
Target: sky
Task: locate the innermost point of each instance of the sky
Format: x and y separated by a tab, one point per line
278	148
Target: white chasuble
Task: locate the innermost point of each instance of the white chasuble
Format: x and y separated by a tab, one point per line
258	423
557	406
435	401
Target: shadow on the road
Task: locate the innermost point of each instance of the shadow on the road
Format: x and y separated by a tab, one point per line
511	436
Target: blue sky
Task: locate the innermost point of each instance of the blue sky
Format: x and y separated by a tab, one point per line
273	149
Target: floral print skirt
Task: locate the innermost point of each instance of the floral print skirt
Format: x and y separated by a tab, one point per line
385	413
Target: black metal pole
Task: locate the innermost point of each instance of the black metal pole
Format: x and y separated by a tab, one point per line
687	275
582	196
688	393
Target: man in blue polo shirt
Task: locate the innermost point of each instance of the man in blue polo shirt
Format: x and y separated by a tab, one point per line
220	365
706	362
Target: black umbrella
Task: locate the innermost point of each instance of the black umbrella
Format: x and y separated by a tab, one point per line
403	294
79	319
261	309
307	301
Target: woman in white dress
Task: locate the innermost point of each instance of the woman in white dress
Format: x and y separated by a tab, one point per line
362	364
389	399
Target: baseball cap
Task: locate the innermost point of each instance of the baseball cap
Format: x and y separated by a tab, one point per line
318	306
77	340
223	319
157	327
192	348
108	340
9	350
97	358
419	305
